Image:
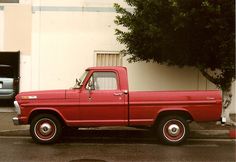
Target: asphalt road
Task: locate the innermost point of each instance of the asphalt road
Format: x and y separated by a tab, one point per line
103	150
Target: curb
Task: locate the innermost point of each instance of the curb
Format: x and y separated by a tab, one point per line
16	132
194	134
210	134
6	109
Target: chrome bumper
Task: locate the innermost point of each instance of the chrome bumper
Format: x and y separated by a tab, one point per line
16	121
17	108
223	120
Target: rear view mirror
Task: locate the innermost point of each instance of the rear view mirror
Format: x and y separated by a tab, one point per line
77	82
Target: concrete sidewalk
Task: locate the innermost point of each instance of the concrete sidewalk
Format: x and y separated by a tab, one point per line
8	128
198	130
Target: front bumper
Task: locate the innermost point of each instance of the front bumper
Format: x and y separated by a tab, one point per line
16	121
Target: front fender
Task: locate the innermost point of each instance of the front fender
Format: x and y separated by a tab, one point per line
47	110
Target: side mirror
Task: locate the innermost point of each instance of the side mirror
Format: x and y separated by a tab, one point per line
77	82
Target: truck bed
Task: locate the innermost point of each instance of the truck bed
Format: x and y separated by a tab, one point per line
144	106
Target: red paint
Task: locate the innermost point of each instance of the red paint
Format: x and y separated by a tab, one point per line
106	108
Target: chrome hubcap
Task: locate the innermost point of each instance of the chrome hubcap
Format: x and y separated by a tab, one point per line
173	130
45	129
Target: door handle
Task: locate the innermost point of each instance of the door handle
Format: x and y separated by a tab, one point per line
118	94
210	98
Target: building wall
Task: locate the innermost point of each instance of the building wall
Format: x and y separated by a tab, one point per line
59	39
15	35
76	31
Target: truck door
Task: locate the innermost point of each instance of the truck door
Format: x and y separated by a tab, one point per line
102	103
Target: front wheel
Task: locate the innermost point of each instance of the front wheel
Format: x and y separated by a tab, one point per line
173	130
45	129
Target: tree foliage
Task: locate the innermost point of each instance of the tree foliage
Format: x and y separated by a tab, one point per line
197	33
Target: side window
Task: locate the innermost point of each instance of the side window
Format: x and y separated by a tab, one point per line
102	81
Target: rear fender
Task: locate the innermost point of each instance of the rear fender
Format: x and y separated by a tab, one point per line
174	111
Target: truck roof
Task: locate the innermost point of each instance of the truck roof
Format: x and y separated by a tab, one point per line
106	67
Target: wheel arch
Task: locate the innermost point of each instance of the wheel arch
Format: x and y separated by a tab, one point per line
38	111
182	113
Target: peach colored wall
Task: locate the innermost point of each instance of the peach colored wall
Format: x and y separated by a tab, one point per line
17	28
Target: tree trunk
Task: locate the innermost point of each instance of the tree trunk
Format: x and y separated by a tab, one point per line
226	96
226	101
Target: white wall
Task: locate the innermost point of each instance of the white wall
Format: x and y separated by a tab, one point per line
151	76
64	41
25	72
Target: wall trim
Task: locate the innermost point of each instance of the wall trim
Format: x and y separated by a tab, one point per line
72	9
75	9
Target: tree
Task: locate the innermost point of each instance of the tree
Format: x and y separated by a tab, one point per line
196	33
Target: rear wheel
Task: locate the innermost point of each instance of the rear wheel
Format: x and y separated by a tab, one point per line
173	130
45	129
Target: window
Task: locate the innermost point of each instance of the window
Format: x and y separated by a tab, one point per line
108	59
102	81
6	71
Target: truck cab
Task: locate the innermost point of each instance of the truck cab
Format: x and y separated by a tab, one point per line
104	97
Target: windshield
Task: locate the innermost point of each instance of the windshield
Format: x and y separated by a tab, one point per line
79	82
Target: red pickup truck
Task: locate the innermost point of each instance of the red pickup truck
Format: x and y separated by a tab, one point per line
101	97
